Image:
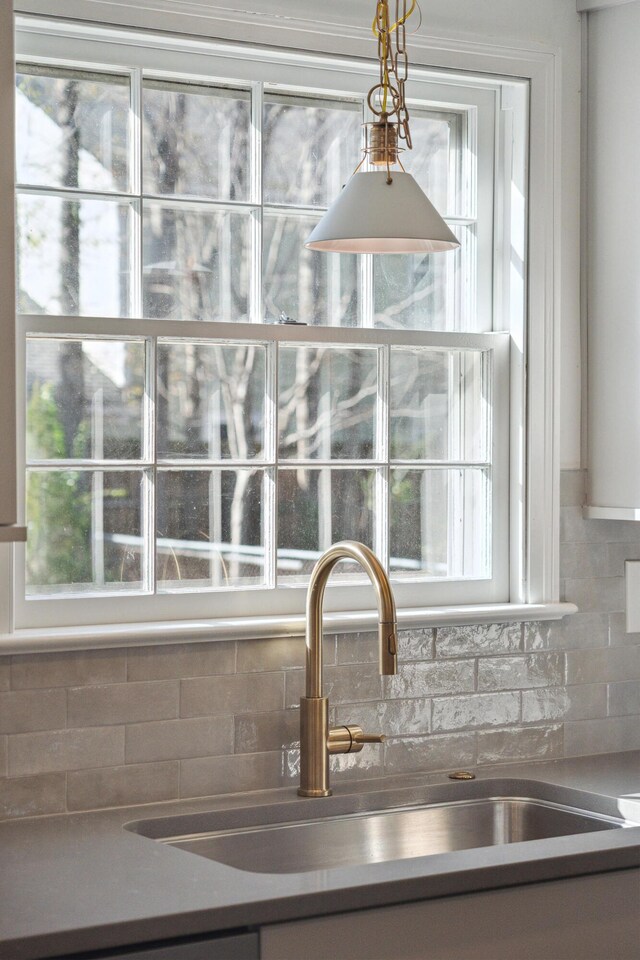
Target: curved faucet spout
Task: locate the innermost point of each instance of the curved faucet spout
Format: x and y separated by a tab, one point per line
387	624
317	741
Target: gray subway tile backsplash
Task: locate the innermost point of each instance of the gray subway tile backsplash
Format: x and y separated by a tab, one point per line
116	703
33	753
391	717
84	730
208	776
605	665
526	743
435	752
479	639
176	739
564	703
171	661
624	699
85	667
422	679
241	693
514	673
477	710
24	711
124	785
33	796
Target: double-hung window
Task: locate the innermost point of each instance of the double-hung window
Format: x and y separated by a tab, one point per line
207	404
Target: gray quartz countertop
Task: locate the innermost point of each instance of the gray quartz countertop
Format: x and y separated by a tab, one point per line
77	882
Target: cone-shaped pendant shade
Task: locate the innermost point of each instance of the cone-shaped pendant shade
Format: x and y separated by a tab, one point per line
373	216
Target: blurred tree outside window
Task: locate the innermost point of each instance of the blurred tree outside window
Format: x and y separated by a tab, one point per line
160	461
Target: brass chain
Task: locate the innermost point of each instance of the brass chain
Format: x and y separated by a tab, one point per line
387	99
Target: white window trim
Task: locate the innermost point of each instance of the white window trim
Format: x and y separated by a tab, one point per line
535	501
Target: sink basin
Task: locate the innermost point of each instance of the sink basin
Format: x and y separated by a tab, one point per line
295	843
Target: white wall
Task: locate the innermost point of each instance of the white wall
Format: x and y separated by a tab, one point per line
553	24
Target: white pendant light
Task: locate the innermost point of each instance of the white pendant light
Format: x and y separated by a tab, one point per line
373	216
384	210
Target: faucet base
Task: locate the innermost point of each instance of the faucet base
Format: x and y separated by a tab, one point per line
314	751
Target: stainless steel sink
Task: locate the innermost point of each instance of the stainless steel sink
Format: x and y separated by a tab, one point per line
361	836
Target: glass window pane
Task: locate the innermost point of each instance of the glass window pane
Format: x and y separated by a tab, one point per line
434	159
85	399
439	523
85	532
72	128
196	140
327	402
439	404
318	507
306	285
210	400
73	256
311	146
423	291
210	529
196	263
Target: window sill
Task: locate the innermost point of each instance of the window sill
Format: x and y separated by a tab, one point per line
244	628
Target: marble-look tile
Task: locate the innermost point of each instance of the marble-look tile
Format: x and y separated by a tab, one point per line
23	711
173	661
118	703
176	739
517	673
478	639
564	703
477	710
120	786
240	693
33	753
429	679
525	743
209	776
33	796
77	668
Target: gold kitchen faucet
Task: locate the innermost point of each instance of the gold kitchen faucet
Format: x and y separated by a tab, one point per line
317	740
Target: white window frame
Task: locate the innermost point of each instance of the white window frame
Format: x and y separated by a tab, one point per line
533	587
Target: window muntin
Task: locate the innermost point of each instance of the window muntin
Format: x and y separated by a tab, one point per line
344	292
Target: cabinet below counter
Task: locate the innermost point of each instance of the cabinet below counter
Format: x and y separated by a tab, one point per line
582	918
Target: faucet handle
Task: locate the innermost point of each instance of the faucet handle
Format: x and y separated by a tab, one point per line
369	737
351	738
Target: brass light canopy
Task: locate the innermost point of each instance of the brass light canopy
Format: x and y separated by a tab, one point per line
383	210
